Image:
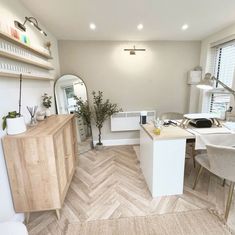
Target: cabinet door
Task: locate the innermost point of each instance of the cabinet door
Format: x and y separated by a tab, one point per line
69	149
60	160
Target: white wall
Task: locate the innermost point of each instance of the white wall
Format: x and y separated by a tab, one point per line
32	90
216	38
155	79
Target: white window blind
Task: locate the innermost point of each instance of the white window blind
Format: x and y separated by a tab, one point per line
223	65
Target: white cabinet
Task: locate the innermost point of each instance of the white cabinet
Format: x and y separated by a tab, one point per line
162	160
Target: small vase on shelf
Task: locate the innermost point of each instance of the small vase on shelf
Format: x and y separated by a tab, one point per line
47	112
32	112
46	102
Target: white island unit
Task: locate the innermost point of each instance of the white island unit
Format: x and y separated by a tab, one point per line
162	159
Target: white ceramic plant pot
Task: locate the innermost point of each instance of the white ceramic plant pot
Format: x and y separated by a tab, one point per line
99	146
48	112
15	125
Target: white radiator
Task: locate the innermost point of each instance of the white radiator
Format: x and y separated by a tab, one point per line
129	121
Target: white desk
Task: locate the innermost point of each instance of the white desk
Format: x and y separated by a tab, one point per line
162	159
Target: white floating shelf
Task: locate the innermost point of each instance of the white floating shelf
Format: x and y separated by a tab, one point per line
25	76
25	60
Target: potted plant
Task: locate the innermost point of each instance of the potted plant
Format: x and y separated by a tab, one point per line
102	111
46	102
83	111
14	121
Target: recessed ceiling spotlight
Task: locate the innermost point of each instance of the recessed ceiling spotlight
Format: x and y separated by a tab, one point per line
184	27
140	26
92	26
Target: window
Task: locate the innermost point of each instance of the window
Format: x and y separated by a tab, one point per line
69	100
223	65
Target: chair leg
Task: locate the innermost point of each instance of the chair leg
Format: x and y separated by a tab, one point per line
197	177
229	200
193	153
224	182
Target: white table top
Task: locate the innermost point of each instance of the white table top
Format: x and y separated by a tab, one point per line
200	115
168	132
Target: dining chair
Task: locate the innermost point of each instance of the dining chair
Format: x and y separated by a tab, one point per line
190	142
219	160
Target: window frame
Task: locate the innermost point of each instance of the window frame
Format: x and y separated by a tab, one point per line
214	63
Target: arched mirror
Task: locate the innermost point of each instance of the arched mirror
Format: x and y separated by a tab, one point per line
71	97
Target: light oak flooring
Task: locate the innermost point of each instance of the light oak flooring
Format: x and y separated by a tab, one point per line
109	184
84	146
179	223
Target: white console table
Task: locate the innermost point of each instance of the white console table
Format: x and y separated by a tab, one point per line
162	159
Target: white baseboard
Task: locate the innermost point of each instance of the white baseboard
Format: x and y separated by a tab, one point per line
18	217
115	142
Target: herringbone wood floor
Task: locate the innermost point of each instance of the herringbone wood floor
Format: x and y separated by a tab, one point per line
109	184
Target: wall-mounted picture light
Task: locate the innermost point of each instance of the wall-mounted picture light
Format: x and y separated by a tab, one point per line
133	50
32	21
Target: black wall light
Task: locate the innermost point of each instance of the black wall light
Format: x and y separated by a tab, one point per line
32	21
133	50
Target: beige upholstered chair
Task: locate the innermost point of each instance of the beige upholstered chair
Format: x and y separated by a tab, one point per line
220	161
190	142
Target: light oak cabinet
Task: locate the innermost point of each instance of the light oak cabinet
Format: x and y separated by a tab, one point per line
41	164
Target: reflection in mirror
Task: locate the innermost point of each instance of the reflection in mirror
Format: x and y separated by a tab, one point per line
66	87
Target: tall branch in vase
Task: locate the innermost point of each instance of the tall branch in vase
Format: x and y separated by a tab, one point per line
83	111
102	111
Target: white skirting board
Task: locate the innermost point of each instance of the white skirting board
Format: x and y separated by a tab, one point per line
115	142
18	217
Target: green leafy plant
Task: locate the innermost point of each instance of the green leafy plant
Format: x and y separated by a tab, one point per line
12	114
102	111
46	100
83	111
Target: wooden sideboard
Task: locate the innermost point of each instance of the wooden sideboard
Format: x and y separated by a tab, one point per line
41	164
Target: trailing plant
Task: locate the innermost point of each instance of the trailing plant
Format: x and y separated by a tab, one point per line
102	111
46	100
12	114
83	110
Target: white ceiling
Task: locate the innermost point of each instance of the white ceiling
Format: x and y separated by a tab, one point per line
117	19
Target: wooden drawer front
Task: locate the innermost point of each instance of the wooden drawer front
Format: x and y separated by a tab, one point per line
69	149
32	173
60	160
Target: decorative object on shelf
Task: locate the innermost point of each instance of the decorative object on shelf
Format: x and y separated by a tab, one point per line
48	46
83	111
133	50
40	115
102	111
46	102
33	21
14	33
32	112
